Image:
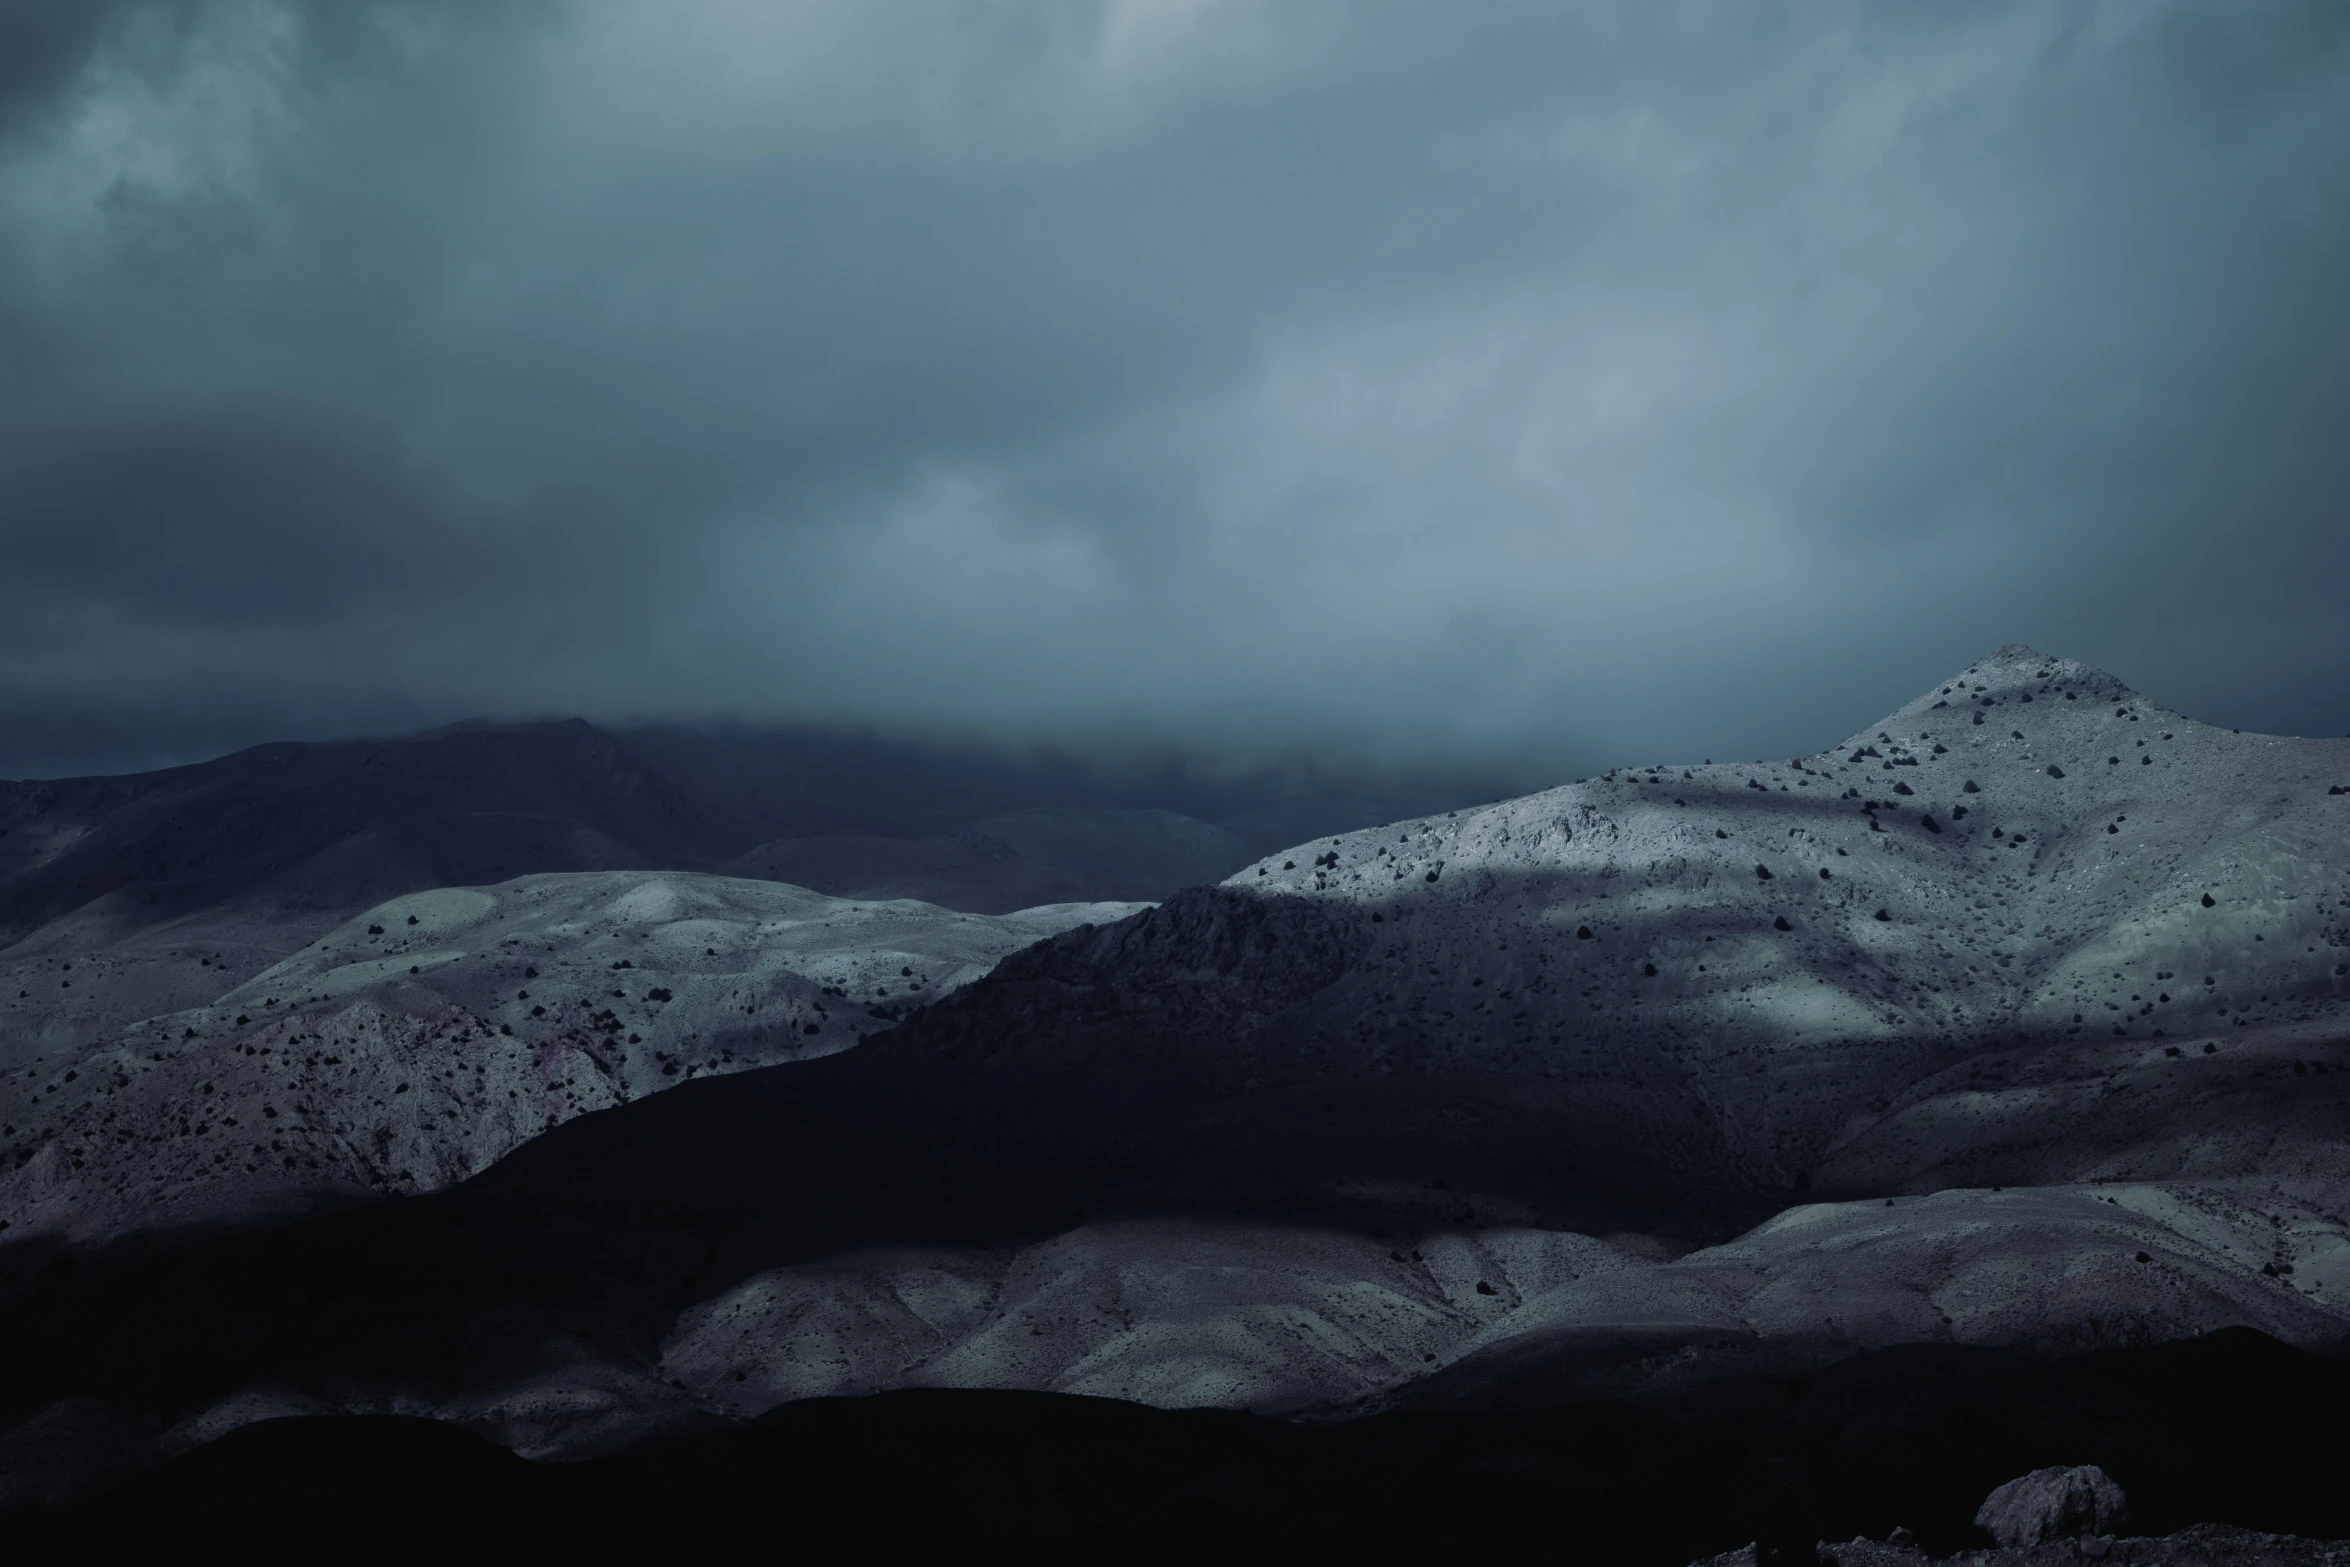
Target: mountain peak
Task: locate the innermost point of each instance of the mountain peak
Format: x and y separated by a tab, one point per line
2014	676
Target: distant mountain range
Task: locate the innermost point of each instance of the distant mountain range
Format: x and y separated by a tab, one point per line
2020	1021
166	887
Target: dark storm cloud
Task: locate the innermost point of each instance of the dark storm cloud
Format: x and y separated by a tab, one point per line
1626	380
220	522
43	43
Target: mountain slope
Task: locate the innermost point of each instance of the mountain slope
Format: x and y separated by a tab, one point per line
2031	855
334	824
1605	1087
128	896
417	1043
124	897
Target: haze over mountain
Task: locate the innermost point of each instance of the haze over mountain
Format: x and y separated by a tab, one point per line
1603	1089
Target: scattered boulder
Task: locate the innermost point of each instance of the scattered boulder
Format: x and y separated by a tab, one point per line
2053	1504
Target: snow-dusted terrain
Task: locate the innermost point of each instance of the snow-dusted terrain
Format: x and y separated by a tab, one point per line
2043	984
2022	1018
418	1042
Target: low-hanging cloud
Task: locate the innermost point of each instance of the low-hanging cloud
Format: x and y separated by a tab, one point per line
1631	381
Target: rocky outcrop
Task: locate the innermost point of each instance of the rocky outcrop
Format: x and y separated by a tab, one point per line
2054	1504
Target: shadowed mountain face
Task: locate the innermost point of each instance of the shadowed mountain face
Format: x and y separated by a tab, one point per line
336	826
124	898
1684	997
2018	1020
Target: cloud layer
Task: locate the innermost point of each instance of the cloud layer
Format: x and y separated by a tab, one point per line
1623	381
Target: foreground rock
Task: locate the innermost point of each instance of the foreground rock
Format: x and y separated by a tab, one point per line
2054	1504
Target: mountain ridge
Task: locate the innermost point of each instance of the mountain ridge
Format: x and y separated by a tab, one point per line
1603	1088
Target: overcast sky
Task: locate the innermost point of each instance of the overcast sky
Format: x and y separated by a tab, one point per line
1620	381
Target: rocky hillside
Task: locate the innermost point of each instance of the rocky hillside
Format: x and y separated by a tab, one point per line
419	1042
2017	1020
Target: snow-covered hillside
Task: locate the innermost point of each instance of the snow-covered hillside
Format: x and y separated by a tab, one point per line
2026	1010
2022	1018
2031	855
420	1041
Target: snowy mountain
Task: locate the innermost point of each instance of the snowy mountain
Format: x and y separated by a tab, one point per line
419	1042
2020	1019
125	897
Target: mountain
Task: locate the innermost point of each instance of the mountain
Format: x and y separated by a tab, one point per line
122	898
419	1042
2017	1021
329	825
1679	999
